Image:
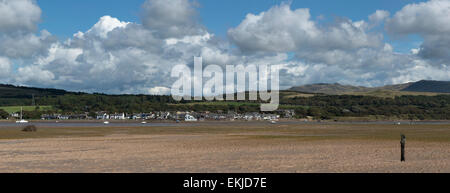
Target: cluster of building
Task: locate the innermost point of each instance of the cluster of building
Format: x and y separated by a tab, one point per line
187	116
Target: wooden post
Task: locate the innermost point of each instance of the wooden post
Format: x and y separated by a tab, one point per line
402	145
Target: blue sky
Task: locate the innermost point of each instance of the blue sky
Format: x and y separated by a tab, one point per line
130	46
64	18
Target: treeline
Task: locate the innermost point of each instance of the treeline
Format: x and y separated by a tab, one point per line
18	92
319	106
138	103
110	103
406	107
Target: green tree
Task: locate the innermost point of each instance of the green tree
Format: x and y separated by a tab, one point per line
3	114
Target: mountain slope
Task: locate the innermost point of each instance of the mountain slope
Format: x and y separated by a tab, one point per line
10	91
395	87
429	86
329	88
420	86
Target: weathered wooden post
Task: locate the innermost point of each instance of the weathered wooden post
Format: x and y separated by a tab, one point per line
402	144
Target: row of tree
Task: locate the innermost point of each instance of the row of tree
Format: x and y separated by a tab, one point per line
320	106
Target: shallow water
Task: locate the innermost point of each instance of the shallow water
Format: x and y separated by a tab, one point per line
206	123
86	124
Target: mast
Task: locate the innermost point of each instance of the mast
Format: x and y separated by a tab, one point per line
33	102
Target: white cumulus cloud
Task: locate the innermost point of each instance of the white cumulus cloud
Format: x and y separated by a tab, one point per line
174	18
105	25
19	15
431	20
379	16
116	56
281	29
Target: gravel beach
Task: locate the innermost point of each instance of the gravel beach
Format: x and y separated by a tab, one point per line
285	149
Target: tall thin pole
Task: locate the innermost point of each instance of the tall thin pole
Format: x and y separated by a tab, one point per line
21	113
33	102
402	146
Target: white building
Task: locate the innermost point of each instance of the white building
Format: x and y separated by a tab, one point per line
120	116
103	116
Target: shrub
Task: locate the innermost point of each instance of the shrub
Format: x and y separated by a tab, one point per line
3	114
29	128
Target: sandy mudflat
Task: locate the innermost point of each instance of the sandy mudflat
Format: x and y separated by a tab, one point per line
273	149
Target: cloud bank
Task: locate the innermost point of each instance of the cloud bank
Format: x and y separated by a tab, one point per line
116	56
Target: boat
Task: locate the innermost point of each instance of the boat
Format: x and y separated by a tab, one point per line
143	122
106	122
190	118
273	122
22	121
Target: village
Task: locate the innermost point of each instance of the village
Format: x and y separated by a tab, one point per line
175	116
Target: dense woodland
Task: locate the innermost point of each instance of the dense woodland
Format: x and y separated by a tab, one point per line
318	106
406	107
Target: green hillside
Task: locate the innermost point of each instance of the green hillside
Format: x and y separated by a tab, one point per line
429	86
329	88
423	87
10	91
14	109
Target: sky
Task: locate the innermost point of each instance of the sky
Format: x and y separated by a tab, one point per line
116	46
63	18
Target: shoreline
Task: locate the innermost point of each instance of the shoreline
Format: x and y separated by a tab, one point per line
231	121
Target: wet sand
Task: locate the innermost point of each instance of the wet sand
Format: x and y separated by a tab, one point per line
273	148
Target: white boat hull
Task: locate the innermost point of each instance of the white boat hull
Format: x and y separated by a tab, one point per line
190	118
22	121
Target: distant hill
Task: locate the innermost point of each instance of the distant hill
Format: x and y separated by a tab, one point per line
395	87
420	86
425	87
342	89
329	88
10	91
429	86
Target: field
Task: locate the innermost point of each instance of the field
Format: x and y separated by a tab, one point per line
14	109
231	147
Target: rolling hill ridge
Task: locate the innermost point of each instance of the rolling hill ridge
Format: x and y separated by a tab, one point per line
11	91
429	86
